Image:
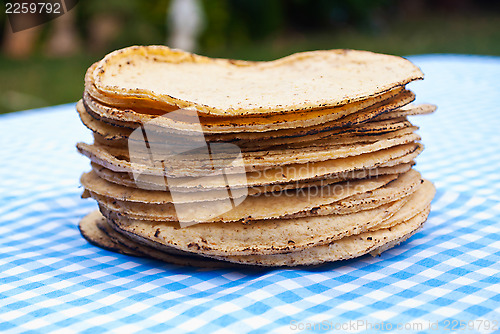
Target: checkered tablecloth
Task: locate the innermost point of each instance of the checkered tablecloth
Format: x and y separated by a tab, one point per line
447	276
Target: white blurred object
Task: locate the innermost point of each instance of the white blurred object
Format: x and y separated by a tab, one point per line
63	40
186	21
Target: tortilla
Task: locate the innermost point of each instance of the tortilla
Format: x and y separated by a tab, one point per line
220	163
251	208
201	166
255	149
96	230
105	130
406	184
409	110
275	236
286	174
89	229
401	186
162	77
369	242
346	248
158	182
373	242
367	132
393	120
219	125
96	185
420	202
341	198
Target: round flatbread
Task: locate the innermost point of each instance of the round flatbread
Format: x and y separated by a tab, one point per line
158	76
259	207
276	236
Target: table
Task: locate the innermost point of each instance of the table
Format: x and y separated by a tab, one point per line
52	280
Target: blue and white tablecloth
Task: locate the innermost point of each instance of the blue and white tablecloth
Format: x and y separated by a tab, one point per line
447	276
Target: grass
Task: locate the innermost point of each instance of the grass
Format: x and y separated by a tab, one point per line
39	81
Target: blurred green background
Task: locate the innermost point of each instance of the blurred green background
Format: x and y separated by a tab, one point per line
45	65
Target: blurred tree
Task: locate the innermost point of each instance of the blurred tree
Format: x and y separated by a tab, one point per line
114	24
242	21
64	39
20	44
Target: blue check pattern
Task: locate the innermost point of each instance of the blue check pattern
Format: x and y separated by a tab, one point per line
446	276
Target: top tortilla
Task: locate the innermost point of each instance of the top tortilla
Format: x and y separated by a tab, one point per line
160	77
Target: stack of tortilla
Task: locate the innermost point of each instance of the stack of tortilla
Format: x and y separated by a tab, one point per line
214	162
